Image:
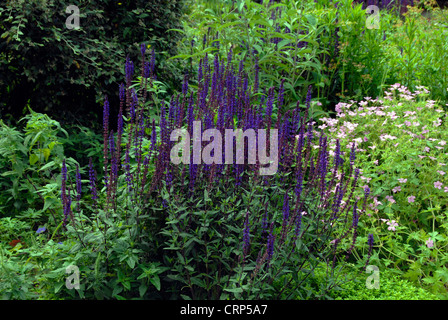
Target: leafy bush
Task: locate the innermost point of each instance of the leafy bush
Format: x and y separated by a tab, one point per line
28	163
45	65
415	50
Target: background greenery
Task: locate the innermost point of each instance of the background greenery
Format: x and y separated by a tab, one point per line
45	65
63	75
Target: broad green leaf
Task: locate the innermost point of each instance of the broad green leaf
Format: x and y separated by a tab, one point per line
156	282
46	153
33	159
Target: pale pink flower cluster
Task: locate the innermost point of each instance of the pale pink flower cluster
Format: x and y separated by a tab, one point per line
375	203
409	113
384	137
392	115
437	123
342	105
438	185
423	90
390	198
391	223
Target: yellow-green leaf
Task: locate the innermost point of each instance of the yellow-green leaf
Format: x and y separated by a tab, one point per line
46	153
33	159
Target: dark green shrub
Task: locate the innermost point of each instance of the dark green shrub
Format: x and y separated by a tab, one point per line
64	71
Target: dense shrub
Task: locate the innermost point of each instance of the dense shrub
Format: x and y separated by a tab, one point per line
54	69
290	42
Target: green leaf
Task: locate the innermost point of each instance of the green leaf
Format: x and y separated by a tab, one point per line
49	202
33	159
58	286
46	153
116	291
234	290
142	289
228	24
156	282
311	19
132	260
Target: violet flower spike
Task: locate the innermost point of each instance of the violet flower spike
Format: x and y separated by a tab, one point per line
246	236
78	185
92	178
270	244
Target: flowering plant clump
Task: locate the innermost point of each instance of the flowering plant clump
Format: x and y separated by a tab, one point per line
401	141
219	228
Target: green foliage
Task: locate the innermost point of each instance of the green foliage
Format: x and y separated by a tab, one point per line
291	41
363	68
338	54
143	240
203	237
401	141
391	287
415	50
29	161
46	65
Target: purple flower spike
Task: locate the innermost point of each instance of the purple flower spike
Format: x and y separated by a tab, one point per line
78	185
370	241
122	91
286	207
270	244
147	70
246	236
355	216
308	97
92	178
153	61
257	70
129	70
106	116
352	154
